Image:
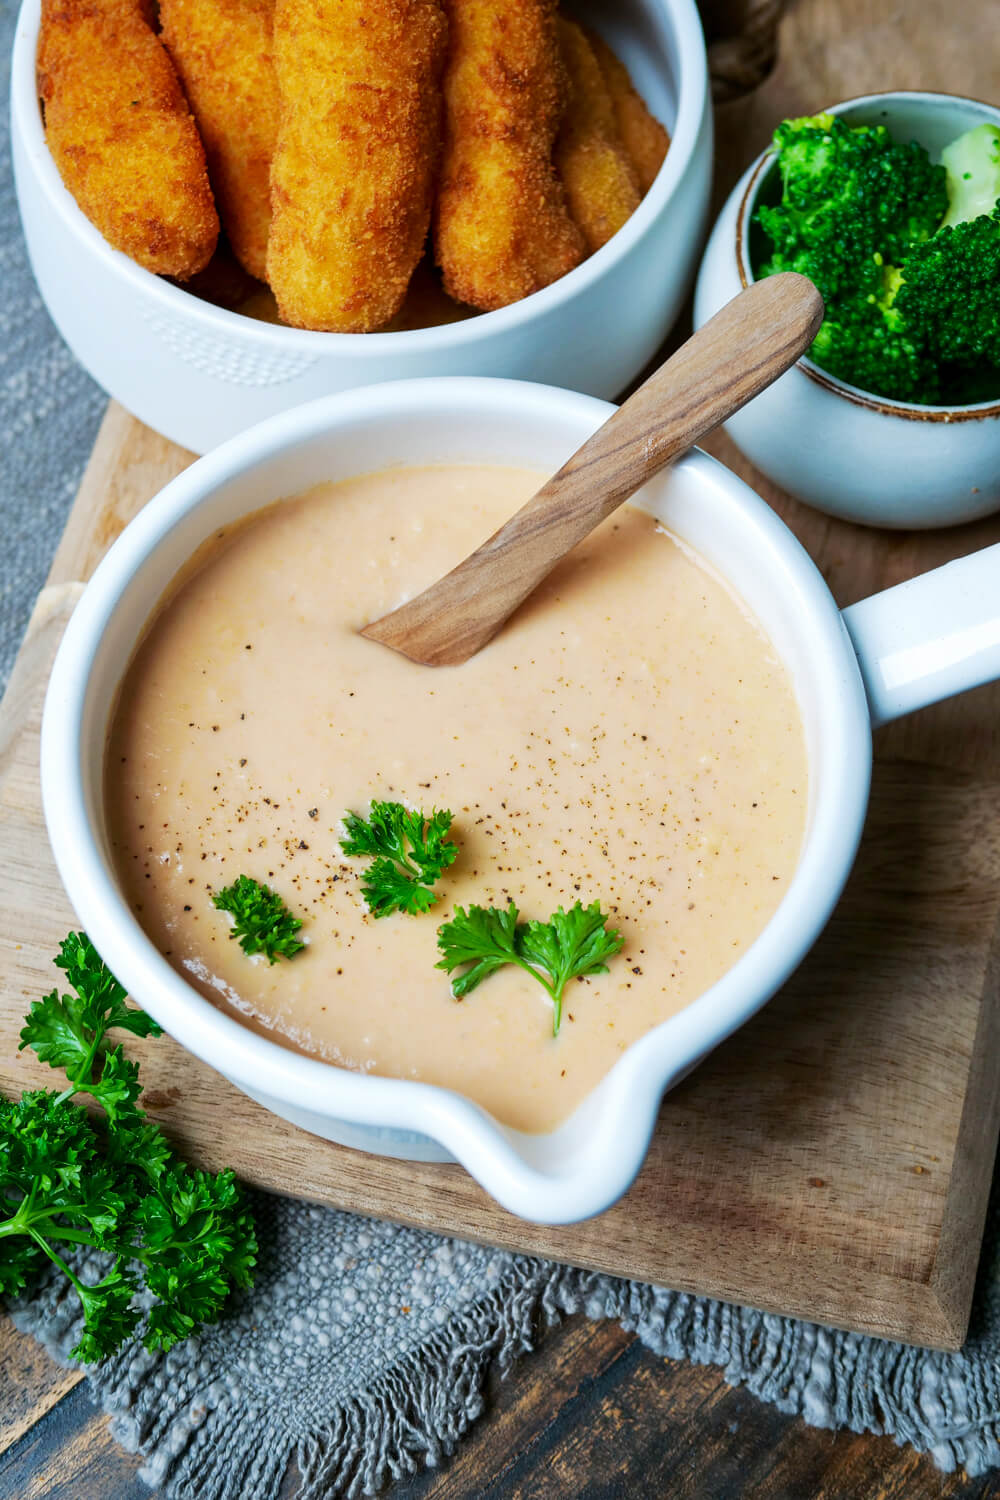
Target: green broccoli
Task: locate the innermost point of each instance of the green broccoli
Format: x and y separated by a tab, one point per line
852	200
912	303
949	299
866	348
948	294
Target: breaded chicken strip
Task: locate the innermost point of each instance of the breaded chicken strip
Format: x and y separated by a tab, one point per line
502	229
602	189
358	144
122	136
646	141
222	52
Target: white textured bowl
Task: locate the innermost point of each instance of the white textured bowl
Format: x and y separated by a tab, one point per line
883	463
199	374
583	1166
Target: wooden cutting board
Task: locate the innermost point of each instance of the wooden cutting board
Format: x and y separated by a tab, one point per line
833	1159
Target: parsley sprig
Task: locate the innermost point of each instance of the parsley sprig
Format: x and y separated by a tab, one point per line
569	945
262	922
410	853
113	1184
69	1031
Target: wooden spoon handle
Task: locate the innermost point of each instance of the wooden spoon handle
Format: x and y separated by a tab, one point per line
746	346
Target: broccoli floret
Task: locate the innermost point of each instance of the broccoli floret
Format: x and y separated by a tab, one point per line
852	200
950	293
866	344
912	305
868	350
949	297
972	164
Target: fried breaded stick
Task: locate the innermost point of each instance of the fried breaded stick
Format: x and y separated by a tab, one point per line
502	229
646	140
122	136
353	169
602	188
222	52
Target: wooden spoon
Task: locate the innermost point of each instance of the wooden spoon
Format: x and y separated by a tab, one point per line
746	346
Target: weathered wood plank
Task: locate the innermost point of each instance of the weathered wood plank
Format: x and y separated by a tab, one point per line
129	464
30	1383
70	1455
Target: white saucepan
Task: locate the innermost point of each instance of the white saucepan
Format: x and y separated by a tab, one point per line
886	656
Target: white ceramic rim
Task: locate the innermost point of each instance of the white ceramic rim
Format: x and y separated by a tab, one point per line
755	177
555	1178
692	102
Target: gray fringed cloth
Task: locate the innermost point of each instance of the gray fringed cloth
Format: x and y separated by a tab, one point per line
362	1350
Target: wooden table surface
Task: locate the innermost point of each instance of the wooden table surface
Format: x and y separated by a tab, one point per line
592	1413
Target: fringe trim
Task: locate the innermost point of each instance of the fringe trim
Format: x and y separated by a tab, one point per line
202	1441
947	1405
415	1414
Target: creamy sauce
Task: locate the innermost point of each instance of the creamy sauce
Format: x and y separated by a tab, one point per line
630	737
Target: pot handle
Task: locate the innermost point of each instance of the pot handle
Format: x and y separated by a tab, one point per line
930	637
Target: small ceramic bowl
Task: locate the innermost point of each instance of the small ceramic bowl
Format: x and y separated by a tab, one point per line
841	449
199	373
883	657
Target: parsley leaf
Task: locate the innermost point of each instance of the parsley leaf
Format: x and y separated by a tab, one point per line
138	1151
484	937
569	945
118	1086
102	998
67	1031
261	921
410	853
108	1314
194	1233
181	1237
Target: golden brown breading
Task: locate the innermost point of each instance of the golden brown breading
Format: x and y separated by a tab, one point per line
646	140
602	189
502	228
222	52
353	170
122	136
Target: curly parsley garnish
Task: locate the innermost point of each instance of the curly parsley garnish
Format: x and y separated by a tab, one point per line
410	853
113	1184
261	921
569	945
